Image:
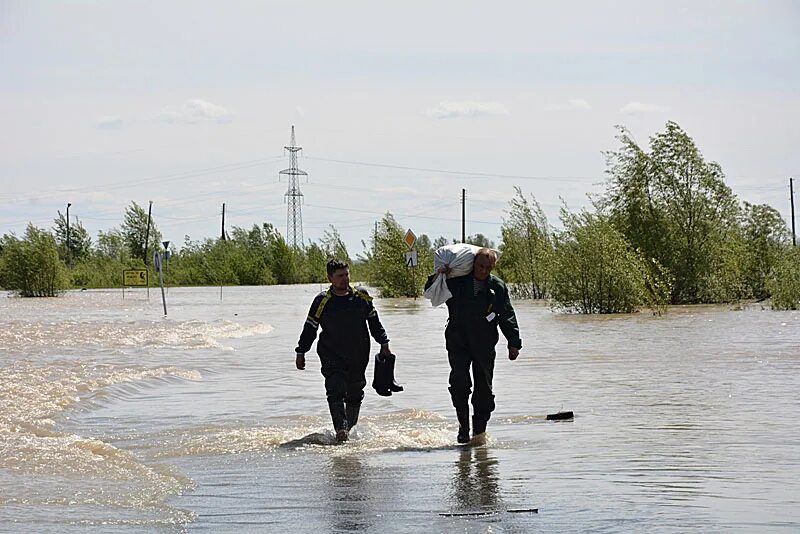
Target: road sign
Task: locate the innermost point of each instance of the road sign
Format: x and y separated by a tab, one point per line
134	277
410	238
166	245
411	258
157	261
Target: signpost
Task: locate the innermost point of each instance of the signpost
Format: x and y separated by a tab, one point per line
411	257
410	238
133	277
137	277
157	265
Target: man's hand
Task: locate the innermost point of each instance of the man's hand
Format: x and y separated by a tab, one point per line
385	350
513	352
444	269
300	361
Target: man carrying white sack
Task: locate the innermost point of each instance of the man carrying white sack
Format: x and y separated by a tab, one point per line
478	305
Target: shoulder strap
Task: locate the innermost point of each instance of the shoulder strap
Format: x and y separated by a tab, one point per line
361	293
322	303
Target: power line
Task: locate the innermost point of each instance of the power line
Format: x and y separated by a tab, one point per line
460	173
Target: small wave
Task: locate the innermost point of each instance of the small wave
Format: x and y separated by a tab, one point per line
406	430
25	337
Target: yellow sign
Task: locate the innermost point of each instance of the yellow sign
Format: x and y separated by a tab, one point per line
410	238
134	278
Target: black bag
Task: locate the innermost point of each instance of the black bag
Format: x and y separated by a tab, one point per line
383	380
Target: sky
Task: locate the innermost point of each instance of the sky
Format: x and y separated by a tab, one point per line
398	106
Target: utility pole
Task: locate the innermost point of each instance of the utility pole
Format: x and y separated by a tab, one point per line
791	201
69	256
294	216
463	215
223	222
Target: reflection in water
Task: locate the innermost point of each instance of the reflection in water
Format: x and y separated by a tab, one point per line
349	494
476	481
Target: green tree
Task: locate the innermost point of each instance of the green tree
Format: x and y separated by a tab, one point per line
765	237
31	266
134	231
527	250
673	206
80	244
439	242
111	245
597	271
333	246
386	262
480	240
783	282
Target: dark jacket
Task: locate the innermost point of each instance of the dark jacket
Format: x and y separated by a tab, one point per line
473	319
344	321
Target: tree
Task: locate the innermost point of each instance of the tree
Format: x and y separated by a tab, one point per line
439	242
765	237
333	246
134	231
480	240
31	266
597	271
80	244
784	280
387	268
527	250
674	207
111	245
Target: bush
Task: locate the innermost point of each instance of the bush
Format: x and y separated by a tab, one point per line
784	284
31	266
597	271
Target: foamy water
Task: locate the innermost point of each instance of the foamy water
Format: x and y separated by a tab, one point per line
114	417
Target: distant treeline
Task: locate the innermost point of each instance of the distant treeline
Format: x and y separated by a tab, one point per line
666	230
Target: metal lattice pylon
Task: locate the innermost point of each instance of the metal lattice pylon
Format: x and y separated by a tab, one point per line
294	214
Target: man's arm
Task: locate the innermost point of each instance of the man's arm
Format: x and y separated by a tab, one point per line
507	319
308	335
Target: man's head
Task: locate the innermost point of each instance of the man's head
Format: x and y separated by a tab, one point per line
338	274
485	260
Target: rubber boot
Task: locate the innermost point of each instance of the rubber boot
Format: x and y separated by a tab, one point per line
338	416
352	410
478	424
382	377
393	385
463	425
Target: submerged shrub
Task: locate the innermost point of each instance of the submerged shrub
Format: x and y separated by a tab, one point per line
597	271
31	266
784	284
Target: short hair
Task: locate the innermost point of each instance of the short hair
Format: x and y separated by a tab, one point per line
334	265
487	253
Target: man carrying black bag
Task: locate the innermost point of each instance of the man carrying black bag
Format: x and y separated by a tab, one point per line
344	312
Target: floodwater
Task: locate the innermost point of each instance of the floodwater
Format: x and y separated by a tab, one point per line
116	419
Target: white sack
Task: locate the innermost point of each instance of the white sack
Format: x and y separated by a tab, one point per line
460	258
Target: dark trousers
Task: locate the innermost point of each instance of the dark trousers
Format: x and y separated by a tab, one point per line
345	379
462	358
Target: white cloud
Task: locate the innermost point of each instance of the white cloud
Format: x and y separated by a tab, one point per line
579	103
109	122
449	109
194	111
635	108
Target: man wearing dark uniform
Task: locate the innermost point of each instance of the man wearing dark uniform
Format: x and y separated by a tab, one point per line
480	303
343	312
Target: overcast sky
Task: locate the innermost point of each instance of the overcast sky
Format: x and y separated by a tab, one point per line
398	106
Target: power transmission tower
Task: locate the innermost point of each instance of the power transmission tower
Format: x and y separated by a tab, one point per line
294	216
